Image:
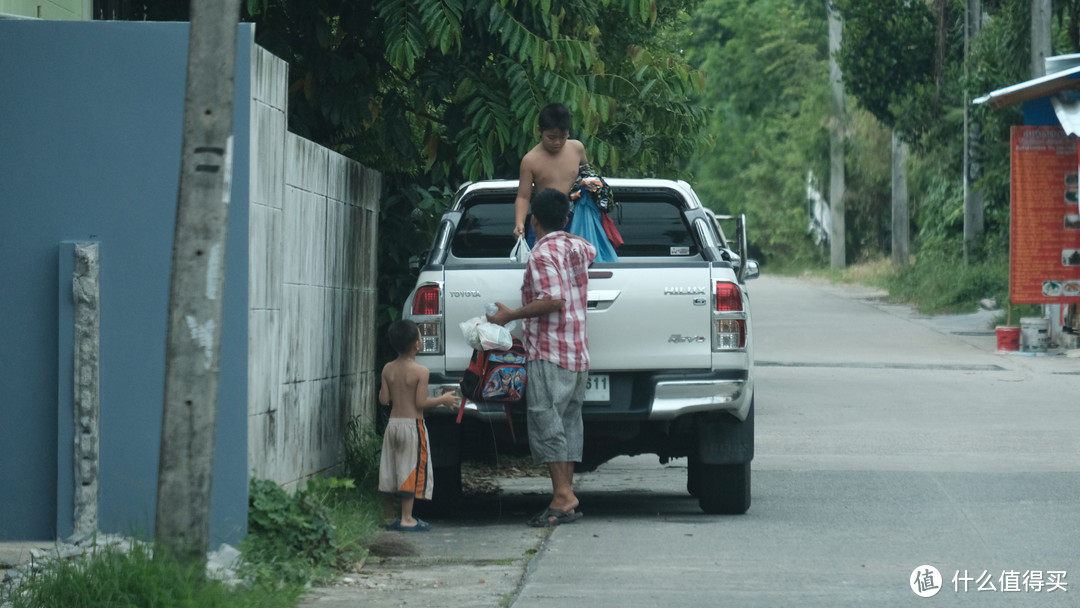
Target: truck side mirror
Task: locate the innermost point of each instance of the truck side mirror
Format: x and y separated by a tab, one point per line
751	270
416	262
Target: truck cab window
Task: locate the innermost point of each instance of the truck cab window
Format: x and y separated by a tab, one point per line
650	227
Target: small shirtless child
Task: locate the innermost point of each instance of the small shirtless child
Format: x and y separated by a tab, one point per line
405	469
552	163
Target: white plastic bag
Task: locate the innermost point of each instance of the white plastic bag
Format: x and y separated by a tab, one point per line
471	331
520	252
481	334
495	337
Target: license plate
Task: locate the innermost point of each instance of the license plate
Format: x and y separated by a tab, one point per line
598	388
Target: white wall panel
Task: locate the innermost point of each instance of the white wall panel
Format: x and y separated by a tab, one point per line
314	216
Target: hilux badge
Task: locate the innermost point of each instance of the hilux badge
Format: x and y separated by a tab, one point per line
684	291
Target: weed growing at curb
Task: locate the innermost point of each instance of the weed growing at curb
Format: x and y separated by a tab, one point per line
363	449
296	537
322	529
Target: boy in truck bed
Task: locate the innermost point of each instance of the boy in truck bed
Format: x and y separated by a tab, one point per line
552	163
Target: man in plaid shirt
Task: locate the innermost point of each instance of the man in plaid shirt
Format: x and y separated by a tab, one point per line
555	294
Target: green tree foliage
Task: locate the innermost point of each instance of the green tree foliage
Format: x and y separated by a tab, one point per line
887	58
1000	57
767	67
903	61
433	93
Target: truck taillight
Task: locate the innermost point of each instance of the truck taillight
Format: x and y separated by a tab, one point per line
430	338
728	297
427	313
426	301
730	334
729	330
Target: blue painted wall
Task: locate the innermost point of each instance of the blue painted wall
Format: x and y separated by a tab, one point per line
90	140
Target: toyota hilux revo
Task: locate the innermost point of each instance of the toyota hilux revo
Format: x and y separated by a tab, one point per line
669	330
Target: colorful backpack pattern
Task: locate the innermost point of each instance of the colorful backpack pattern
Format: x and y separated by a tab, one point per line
496	376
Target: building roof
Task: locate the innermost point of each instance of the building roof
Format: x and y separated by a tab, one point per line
1044	86
1062	75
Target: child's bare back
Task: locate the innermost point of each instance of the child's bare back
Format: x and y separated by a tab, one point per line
401	378
405	385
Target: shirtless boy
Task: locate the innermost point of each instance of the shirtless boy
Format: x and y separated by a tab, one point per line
405	468
552	163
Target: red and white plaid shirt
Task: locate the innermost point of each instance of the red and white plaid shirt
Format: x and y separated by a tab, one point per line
558	269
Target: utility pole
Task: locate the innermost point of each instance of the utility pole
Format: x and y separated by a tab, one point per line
1041	46
838	123
900	217
192	350
973	198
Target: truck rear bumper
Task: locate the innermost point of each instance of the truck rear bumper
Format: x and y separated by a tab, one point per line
653	396
674	398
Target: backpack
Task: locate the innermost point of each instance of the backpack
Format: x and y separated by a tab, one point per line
591	181
496	376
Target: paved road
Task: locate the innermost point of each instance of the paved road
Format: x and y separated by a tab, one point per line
884	442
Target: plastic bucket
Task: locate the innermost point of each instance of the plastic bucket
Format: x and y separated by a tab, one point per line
1034	334
1008	338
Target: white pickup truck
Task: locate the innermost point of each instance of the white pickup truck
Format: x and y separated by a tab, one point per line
670	337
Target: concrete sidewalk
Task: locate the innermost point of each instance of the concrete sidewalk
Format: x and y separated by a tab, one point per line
474	557
455	564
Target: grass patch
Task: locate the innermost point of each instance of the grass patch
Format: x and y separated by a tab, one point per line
110	577
358	517
933	283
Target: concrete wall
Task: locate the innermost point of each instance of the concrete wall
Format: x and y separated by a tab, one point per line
314	215
91	153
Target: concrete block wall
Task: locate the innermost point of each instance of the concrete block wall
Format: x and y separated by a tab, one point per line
313	222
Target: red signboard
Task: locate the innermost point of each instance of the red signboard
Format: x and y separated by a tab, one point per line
1045	234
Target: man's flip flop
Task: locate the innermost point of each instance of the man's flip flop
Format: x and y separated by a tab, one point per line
421	526
554	517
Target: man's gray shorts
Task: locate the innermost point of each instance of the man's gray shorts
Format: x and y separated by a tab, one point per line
555	396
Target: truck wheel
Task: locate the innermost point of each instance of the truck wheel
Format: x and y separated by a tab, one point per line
691	480
447	485
720	488
446	500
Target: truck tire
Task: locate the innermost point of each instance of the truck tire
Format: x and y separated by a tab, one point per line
721	489
447	485
445	437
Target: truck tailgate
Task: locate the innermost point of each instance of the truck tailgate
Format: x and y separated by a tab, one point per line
641	316
467	291
648	317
